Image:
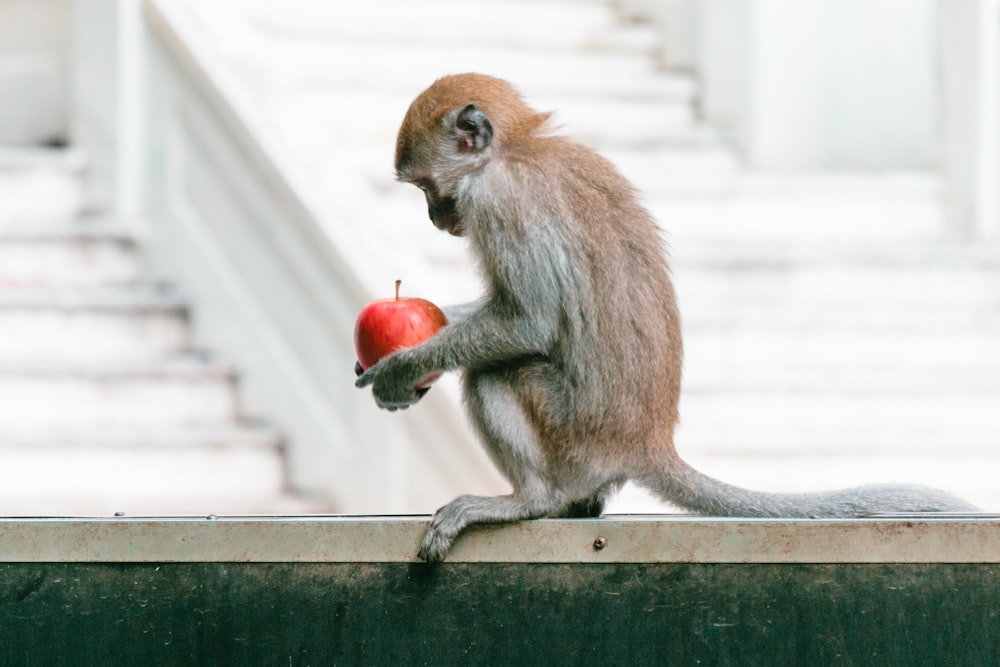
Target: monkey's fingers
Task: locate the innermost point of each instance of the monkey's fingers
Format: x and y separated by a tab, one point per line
365	379
404	404
357	369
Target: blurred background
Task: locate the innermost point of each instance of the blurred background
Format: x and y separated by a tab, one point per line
196	199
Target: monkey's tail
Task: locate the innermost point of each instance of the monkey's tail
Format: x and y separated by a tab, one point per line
682	485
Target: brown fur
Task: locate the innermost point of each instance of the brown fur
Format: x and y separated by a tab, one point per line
572	362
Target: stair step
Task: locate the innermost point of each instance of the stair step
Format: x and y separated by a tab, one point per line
943	251
701	167
179	390
168	504
75	253
107	479
39	186
941	287
866	351
861	287
635	124
539	25
67	160
90	324
700	319
401	72
733	422
774	220
848	208
309	120
774	370
224	435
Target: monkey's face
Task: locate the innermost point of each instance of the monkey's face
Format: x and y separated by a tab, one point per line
439	145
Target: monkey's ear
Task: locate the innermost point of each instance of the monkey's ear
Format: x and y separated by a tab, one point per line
473	129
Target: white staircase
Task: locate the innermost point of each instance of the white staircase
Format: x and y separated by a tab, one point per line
105	404
837	333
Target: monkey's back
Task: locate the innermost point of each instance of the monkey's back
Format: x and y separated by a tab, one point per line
618	361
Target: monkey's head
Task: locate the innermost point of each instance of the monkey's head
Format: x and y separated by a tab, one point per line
453	130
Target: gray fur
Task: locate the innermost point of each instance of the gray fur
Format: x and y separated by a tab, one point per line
572	361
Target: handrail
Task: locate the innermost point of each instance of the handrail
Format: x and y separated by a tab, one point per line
277	272
169	24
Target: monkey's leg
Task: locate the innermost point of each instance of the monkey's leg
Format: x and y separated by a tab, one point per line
592	507
465	511
510	439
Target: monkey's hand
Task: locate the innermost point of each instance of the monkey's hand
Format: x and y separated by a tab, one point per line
394	382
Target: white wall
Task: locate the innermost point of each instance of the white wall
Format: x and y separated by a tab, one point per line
823	83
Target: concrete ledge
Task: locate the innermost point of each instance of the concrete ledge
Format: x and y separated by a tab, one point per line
343	591
616	539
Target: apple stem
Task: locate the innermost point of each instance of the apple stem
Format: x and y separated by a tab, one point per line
398	283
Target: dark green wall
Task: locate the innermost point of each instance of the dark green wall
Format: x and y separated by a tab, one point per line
498	614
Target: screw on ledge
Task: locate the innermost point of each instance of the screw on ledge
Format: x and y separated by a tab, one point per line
600	543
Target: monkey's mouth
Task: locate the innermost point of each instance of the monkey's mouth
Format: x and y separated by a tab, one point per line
444	216
453	227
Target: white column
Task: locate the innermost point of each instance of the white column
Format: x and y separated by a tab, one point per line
807	84
970	48
34	71
129	156
676	25
94	97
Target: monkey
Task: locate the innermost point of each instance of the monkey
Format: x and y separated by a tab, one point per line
571	360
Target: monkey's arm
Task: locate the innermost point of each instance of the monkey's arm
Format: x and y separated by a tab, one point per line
453	314
495	334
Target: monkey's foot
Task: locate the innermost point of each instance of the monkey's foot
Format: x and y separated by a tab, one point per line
435	546
448	523
464	511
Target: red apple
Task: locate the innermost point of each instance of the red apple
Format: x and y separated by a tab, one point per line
388	325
